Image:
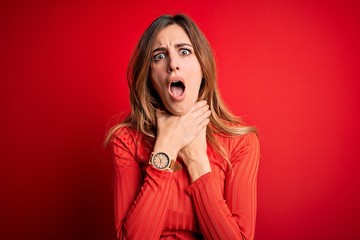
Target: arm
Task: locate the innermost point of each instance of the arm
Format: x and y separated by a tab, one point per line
140	205
232	216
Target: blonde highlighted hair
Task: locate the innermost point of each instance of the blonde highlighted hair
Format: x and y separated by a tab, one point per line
144	99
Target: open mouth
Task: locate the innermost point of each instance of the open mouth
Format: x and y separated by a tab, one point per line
177	88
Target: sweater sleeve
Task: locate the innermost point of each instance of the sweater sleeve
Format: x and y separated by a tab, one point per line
140	203
233	215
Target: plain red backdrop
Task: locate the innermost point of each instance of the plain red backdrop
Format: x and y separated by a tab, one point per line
288	67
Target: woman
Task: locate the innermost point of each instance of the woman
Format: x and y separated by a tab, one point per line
185	166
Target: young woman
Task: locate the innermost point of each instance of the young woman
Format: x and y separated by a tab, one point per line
185	167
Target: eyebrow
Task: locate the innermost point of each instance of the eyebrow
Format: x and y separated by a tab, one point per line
179	45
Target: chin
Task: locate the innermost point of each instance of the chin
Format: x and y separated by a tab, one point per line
179	111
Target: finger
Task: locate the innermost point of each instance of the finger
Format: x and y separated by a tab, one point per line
202	121
198	105
202	113
203	125
205	117
202	133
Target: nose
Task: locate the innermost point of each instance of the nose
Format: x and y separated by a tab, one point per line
172	68
173	64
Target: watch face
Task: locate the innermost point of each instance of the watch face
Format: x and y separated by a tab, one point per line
161	160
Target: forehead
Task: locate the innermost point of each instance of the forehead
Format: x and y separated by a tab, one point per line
171	35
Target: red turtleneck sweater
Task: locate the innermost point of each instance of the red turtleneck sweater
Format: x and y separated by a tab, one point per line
153	204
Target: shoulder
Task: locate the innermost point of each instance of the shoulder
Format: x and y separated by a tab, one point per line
125	133
130	140
240	146
247	140
242	141
126	138
238	136
245	147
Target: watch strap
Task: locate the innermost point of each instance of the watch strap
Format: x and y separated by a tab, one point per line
175	166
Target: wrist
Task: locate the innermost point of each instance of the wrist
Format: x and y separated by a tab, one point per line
198	169
161	161
164	146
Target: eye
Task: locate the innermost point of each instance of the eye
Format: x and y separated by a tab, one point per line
159	56
185	52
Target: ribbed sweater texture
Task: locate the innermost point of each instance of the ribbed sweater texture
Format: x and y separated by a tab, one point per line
153	204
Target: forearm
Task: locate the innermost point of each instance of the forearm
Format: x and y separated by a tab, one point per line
165	144
213	214
198	168
146	217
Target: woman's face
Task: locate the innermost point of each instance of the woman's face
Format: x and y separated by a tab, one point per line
175	70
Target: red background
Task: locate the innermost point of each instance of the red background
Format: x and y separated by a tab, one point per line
288	67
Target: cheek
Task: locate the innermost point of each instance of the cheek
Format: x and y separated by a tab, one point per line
155	85
158	86
194	88
197	77
154	78
156	74
195	68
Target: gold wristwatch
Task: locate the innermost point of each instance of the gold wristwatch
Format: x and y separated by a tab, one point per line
162	161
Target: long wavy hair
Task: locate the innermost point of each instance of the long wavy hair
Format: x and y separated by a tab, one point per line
144	99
